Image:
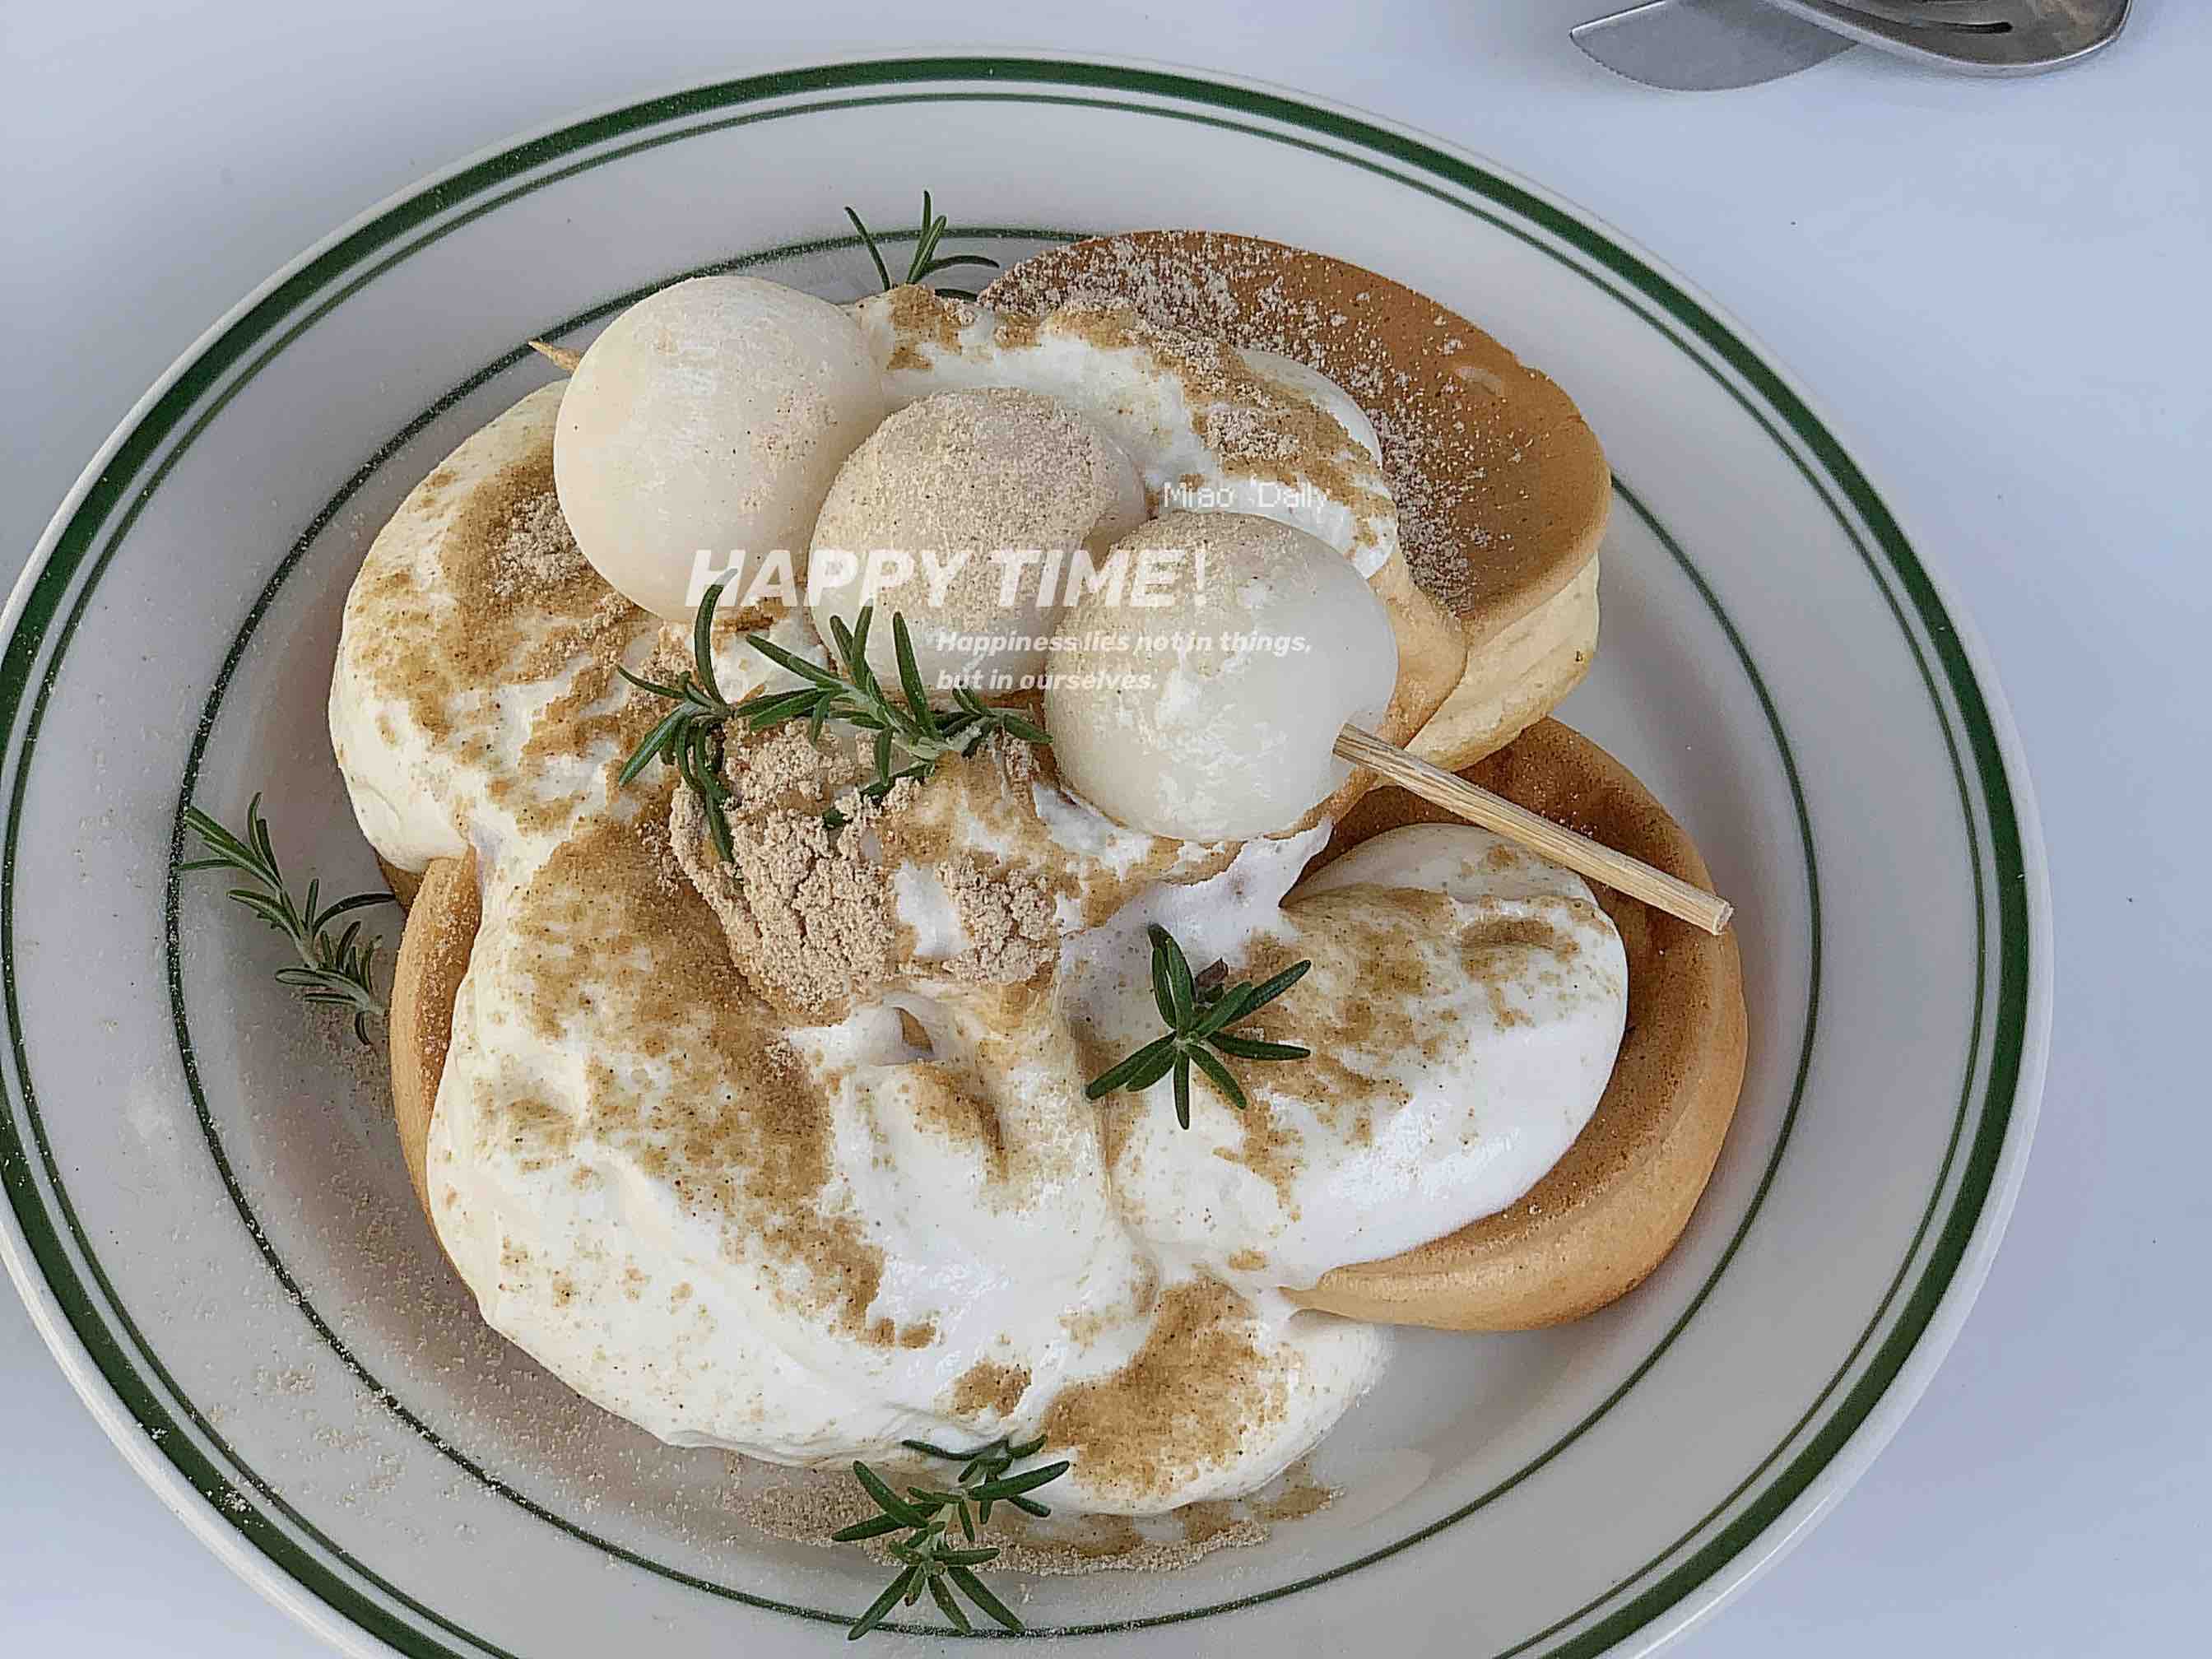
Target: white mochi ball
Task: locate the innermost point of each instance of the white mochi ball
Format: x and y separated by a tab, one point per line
964	513
1212	717
710	416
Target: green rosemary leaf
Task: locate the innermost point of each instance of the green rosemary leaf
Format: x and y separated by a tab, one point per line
358	901
1164	983
650	750
1196	1010
868	241
1227	1007
228	849
1221	1077
928	1450
917	695
1161	1065
925	261
1027	731
702	639
874	1527
1270	989
931	1562
330	969
880	1608
1029	1480
797	665
925	244
1244	1047
856	655
689	737
1124	1075
948	1607
764	712
691	767
840	638
717	828
265	846
977	1592
1179	985
952	260
674	693
889	1501
278	916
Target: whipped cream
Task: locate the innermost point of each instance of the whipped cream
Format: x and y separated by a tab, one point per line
1465	1004
1210	427
811	1241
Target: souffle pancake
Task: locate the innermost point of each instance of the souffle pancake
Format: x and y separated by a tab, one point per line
896	959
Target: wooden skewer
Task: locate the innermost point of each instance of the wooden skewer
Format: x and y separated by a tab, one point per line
1517	824
1579	854
560	356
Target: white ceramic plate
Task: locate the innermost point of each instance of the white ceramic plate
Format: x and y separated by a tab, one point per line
207	1212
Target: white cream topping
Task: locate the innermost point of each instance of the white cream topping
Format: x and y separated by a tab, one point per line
1417	1140
1006	1249
597	1264
1026	1255
412	793
1155	411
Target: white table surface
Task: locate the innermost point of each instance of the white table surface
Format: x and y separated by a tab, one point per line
1998	290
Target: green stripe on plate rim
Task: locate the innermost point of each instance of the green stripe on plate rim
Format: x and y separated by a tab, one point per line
145	440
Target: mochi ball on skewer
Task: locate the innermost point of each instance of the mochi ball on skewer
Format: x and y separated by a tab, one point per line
709	417
961	512
1203	699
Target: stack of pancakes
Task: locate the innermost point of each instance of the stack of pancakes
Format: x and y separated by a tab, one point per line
1502	493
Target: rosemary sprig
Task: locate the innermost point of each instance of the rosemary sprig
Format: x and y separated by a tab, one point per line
1198	1011
338	969
930	1558
689	737
926	262
905	724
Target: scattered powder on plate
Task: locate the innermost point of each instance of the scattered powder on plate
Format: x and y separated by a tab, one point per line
806	1508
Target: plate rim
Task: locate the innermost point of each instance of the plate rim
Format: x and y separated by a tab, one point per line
1869	1428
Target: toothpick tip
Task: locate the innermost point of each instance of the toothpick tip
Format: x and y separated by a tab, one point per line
560	356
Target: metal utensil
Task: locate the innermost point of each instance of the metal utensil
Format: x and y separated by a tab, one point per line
1705	45
1975	37
1699	45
